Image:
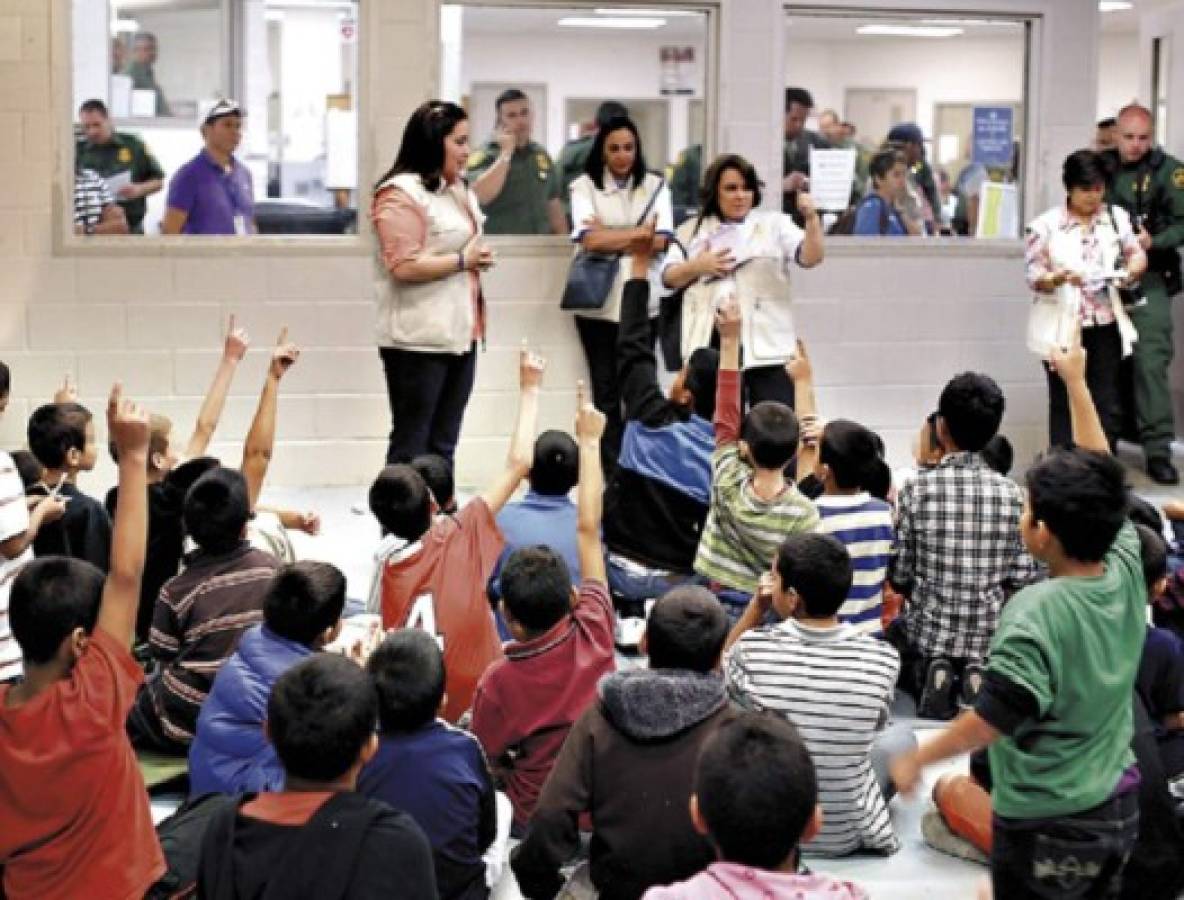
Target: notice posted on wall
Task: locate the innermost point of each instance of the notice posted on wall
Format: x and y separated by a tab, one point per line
832	173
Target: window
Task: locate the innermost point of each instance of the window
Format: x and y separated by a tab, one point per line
159	67
567	62
949	91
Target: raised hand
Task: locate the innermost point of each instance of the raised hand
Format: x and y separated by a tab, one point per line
237	342
283	355
68	392
728	318
127	423
589	420
799	368
531	367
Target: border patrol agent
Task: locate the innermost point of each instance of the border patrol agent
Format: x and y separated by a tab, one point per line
1149	184
109	152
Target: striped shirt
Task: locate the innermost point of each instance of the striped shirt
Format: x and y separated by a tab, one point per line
743	531
864	525
199	618
834	685
14	520
91	197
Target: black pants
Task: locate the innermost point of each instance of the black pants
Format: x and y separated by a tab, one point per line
768	383
599	340
1103	362
1082	855
428	393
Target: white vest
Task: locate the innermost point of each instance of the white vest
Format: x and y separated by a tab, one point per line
761	285
433	316
1054	316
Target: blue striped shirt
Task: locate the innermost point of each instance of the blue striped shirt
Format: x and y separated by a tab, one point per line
864	525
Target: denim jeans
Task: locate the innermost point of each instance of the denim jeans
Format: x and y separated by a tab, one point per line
630	589
1069	857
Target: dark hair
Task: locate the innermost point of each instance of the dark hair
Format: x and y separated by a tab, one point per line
509	95
555	469
998	454
1108	122
51	597
55	429
594	164
686	630
853	455
186	475
422	149
320	715
27	467
1081	497
934	440
304	600
408	672
536	587
972	406
798	95
609	110
818	567
436	472
5	379
95	106
882	163
701	378
216	510
1141	512
402	503
709	192
756	789
1153	550
770	430
1083	169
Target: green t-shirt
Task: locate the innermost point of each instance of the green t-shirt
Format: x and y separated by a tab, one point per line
521	206
1074	644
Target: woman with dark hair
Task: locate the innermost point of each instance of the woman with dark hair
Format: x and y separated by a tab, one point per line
431	312
1079	255
608	203
733	249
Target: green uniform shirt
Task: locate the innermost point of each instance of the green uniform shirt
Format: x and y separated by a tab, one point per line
124	153
533	181
144	79
571	162
685	177
1152	191
1075	645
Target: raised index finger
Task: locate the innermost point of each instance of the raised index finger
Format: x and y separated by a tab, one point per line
116	397
283	338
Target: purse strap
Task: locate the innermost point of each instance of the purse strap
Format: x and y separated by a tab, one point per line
653	199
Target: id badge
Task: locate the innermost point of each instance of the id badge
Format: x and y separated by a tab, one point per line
240	224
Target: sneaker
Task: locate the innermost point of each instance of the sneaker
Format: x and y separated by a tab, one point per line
972	684
937	695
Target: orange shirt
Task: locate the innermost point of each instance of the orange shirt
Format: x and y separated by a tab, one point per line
439	585
74	814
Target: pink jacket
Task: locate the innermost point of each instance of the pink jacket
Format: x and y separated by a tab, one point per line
729	881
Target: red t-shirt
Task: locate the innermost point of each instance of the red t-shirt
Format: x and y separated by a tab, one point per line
527	702
75	820
439	585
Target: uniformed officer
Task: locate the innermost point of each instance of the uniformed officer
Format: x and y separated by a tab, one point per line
574	153
685	179
1149	184
799	139
514	178
113	153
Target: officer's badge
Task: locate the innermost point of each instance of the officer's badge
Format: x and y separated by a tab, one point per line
124	155
1178	178
543	162
477	159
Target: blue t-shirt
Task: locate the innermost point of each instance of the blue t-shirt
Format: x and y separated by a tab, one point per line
212	197
538	519
875	217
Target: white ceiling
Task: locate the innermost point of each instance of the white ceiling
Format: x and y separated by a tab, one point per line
511	20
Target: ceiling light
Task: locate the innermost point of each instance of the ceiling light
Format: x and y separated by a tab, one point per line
652	13
623	22
1114	5
921	31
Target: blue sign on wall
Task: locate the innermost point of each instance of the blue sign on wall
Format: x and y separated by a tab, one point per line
994	131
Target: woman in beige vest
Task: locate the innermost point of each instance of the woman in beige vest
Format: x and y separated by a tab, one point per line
732	249
427	284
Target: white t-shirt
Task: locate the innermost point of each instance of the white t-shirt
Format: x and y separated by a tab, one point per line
14	520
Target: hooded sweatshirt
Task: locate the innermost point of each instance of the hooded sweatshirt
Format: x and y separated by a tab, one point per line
731	881
629	762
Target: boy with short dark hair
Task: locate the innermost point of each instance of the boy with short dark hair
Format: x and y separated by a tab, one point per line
436	472
756	799
958	551
833	683
629	762
317	837
301	614
1055	710
435	773
526	703
62	437
753	505
432	573
74	812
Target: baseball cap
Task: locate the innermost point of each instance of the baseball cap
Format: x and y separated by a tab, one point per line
906	133
220	109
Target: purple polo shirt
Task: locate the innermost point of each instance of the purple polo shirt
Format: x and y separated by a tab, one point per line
211	196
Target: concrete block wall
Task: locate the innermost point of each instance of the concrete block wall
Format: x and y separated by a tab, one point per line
887	323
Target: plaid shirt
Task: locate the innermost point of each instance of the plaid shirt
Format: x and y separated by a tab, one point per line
958	554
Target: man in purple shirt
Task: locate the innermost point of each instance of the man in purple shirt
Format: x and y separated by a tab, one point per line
211	194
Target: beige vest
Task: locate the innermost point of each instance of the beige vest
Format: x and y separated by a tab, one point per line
434	316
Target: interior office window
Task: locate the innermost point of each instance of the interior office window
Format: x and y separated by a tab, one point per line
946	95
566	62
158	68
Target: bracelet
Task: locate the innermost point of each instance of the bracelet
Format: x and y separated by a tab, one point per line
460	261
